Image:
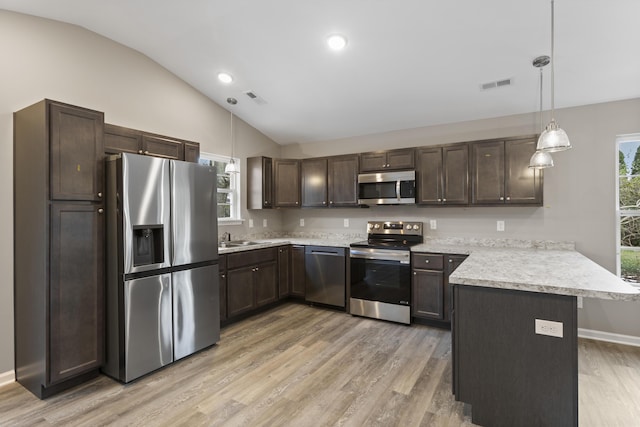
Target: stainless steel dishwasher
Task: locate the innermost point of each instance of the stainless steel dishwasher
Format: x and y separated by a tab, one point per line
325	275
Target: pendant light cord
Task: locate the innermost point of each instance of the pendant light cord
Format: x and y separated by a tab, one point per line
553	60
232	139
541	107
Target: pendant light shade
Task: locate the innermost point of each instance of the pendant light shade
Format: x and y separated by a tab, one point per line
553	138
231	166
541	160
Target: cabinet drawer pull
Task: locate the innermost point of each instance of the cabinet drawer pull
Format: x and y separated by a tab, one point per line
223	275
140	152
508	198
439	200
444	200
450	260
427	261
100	195
501	198
415	274
146	152
100	210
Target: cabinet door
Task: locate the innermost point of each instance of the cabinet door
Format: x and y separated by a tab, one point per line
240	293
77	153
429	169
159	146
343	181
265	283
373	162
297	271
259	183
76	300
313	173
427	298
487	181
522	184
401	159
286	183
284	271
118	139
191	152
455	174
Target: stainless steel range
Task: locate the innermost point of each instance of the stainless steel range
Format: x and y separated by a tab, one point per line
381	271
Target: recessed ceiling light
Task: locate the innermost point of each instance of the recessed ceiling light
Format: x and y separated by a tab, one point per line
337	41
225	77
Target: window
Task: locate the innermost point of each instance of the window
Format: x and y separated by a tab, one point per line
628	207
228	188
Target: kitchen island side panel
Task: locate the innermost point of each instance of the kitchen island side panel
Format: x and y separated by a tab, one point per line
507	373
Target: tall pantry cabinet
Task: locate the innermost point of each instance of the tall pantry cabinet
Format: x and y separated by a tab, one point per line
58	252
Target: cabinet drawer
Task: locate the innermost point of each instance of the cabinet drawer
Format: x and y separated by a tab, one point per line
252	257
427	261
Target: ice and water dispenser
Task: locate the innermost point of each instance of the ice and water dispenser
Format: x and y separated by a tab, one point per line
148	245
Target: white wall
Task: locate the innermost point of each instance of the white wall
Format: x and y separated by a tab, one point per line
48	59
579	192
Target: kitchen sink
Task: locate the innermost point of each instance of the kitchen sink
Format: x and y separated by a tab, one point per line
237	243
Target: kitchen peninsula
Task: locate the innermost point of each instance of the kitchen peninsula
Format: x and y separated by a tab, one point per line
509	366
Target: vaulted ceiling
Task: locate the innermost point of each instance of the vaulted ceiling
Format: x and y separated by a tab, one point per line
407	63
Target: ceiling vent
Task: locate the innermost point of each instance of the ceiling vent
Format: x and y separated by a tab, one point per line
255	98
496	84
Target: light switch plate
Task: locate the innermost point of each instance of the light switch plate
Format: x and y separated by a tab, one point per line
549	327
301	222
346	223
433	224
264	223
250	223
500	226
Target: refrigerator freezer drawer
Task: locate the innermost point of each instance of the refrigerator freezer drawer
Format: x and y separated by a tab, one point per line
196	310
148	325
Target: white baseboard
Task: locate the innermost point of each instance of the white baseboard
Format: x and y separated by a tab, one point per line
7	378
609	337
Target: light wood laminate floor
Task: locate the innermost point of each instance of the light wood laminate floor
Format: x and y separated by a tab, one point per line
302	366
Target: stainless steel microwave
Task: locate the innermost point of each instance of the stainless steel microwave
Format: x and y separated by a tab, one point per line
387	188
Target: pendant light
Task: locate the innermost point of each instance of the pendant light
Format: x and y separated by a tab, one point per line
553	138
541	159
231	167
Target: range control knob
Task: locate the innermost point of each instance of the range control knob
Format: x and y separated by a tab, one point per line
376	226
408	227
416	226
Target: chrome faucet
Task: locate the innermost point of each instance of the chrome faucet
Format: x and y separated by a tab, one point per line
226	237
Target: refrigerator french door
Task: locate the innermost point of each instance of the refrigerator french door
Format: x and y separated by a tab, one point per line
162	273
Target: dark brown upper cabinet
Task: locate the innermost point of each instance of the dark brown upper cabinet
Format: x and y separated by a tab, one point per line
329	182
77	153
259	183
387	160
343	180
313	177
443	175
120	139
286	183
501	173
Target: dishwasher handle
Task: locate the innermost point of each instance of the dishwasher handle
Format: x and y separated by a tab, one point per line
324	250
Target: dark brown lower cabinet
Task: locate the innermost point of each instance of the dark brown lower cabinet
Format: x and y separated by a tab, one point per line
508	373
251	280
297	271
222	271
284	271
430	289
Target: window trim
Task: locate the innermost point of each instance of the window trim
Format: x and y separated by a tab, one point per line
620	139
235	190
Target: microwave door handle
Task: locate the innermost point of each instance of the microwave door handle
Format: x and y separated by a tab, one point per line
398	189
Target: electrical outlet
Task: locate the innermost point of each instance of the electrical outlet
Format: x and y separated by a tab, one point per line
433	224
549	327
264	223
500	226
250	223
301	222
346	223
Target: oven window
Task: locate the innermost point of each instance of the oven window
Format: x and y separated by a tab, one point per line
377	190
377	280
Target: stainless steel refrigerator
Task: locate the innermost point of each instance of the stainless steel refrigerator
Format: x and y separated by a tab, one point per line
162	263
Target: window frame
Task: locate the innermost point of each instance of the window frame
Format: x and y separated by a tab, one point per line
621	139
234	190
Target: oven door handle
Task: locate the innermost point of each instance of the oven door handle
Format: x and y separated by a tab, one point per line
402	257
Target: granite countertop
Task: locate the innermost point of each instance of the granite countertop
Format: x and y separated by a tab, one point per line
526	265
